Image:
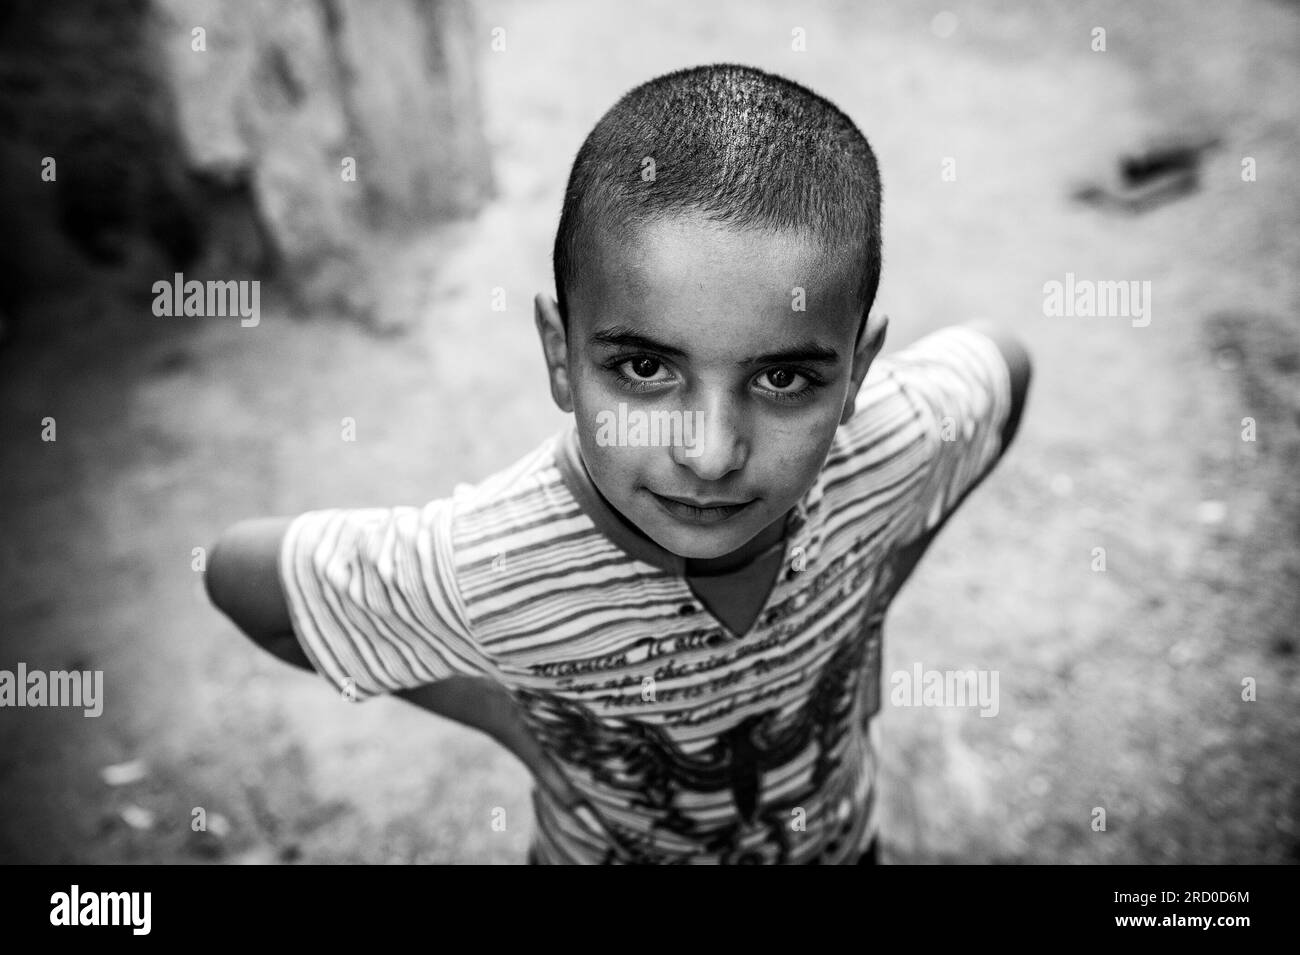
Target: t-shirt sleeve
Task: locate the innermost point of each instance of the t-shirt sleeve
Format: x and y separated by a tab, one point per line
958	385
373	598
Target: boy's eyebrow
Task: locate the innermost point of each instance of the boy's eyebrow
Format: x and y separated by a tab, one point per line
809	352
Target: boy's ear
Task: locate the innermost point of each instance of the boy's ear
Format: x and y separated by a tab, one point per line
869	344
546	314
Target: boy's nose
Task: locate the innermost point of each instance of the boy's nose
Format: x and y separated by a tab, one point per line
715	440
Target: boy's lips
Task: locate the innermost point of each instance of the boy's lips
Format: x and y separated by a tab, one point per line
695	512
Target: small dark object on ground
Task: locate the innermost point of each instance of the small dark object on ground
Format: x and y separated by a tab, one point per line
1150	178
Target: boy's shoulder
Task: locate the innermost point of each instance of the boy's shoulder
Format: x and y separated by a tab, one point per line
903	389
515	483
927	422
528	495
522	533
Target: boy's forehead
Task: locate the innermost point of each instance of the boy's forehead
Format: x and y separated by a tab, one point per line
689	273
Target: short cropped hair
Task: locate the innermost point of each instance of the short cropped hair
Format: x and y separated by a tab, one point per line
732	143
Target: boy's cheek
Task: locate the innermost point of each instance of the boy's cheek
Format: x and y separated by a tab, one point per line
798	453
614	470
591	396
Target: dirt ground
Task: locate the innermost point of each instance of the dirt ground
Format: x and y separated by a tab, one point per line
1120	690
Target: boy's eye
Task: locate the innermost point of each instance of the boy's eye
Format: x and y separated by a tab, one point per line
644	373
642	368
639	373
782	379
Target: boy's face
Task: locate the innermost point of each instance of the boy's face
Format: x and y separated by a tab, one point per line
751	336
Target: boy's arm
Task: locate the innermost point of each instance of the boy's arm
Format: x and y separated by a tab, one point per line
1020	372
243	582
487	706
1019	368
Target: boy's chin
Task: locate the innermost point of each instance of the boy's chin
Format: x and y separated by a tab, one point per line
699	543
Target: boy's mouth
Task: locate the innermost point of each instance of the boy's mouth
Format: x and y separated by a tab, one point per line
699	512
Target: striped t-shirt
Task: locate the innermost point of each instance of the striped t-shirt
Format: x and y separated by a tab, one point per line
690	742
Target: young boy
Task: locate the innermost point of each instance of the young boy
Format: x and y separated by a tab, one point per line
671	612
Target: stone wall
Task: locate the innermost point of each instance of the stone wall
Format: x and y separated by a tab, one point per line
267	137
